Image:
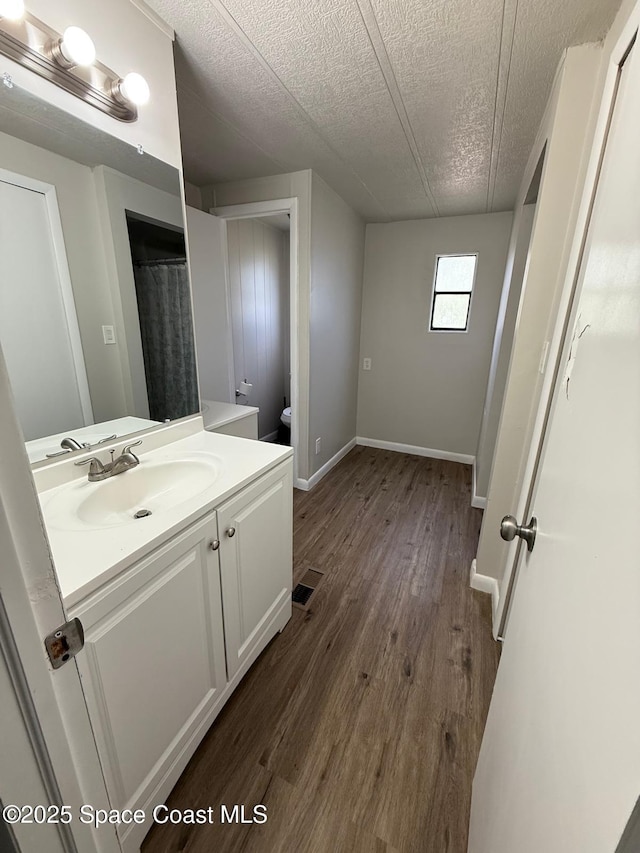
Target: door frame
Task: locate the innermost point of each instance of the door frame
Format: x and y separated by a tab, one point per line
567	307
297	336
64	281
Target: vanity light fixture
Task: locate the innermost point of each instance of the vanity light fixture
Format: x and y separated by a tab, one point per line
13	10
74	48
132	89
69	60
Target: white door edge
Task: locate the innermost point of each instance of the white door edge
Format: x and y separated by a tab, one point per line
565	321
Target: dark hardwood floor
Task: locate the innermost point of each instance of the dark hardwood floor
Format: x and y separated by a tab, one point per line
359	726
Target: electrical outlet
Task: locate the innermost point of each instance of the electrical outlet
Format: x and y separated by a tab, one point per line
318	445
366	364
109	334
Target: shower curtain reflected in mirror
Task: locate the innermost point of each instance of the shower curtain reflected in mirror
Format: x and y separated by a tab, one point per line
164	308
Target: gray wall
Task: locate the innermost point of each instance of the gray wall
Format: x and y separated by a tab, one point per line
117	194
331	248
502	344
427	389
259	293
337	255
79	214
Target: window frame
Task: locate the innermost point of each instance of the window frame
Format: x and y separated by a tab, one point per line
470	293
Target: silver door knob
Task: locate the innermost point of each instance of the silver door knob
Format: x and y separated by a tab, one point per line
214	544
509	529
231	532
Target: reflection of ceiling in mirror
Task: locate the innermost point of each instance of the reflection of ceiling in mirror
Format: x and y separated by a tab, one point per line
29	118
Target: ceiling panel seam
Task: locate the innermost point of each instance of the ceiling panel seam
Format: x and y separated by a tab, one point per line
495	103
238	31
379	48
205	106
507	36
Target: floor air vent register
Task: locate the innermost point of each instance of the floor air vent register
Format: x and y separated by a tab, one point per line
303	592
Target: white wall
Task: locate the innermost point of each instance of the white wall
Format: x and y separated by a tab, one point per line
502	344
337	256
259	293
426	389
567	130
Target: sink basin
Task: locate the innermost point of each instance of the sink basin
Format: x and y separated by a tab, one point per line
128	498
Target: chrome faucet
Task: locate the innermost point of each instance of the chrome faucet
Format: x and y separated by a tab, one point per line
69	444
124	462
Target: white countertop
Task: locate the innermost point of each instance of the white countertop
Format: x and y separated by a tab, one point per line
217	414
85	559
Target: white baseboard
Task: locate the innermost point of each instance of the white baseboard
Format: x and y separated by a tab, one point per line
416	450
483	583
307	485
476	501
270	437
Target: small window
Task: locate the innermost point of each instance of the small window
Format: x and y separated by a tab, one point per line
452	288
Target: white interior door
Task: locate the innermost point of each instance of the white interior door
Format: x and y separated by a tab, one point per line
27	786
208	265
52	706
41	347
559	768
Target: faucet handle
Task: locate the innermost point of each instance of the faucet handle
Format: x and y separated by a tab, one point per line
126	450
128	447
96	468
104	440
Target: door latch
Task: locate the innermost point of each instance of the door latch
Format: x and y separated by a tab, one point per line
64	643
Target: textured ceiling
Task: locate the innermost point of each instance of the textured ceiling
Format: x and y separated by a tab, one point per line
407	108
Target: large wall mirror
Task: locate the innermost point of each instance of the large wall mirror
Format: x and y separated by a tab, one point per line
95	302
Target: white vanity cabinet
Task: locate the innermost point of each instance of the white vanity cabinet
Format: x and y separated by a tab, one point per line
153	666
255	565
168	639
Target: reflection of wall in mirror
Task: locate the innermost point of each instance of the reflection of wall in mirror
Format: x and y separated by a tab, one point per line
92	206
78	209
117	195
38	327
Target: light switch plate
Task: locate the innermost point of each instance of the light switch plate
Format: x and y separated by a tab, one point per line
109	334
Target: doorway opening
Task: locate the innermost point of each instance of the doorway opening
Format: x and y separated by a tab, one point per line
258	252
262	247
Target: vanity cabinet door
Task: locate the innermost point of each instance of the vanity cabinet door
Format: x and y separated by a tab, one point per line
256	566
153	668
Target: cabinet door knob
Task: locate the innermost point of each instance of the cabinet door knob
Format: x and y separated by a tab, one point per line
231	532
214	544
